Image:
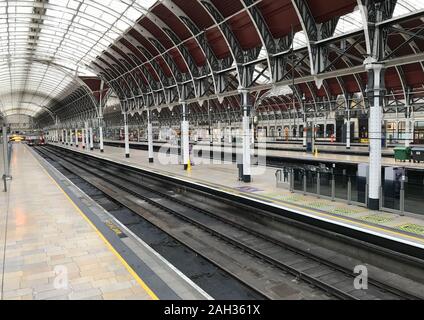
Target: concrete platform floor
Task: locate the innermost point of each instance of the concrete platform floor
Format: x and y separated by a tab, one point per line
287	146
49	249
408	228
320	157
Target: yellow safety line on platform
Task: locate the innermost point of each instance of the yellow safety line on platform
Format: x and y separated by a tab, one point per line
109	246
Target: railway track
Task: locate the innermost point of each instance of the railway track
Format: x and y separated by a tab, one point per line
270	258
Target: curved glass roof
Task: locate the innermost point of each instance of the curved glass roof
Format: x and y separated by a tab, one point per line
44	44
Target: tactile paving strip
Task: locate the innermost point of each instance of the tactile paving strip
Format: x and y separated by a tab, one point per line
344	211
316	205
377	218
412	228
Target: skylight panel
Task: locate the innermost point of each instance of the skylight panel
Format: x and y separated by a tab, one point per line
349	22
407	6
145	3
299	40
263	78
71	33
132	14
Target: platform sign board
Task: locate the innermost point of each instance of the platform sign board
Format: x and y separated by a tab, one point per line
391	186
393	173
361	181
282	178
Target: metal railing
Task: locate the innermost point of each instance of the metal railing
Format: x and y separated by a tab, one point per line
403	195
323	182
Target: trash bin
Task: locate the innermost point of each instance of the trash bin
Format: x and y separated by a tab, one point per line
417	154
402	153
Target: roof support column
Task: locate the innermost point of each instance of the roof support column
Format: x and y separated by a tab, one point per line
347	123
76	137
91	137
397	129
87	140
87	136
246	177
66	137
375	99
325	126
56	131
71	142
126	137
101	143
185	143
408	125
83	138
149	136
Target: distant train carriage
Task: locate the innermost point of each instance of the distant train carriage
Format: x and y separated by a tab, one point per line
36	141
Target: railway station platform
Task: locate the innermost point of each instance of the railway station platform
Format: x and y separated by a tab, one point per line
57	243
358	149
408	228
296	152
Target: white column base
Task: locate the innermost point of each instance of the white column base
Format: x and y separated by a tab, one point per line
185	143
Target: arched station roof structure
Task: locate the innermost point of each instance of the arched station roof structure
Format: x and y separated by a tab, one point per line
63	59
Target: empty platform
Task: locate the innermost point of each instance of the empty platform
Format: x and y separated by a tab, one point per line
408	229
361	150
334	154
56	243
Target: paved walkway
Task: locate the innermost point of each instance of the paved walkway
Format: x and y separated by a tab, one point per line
48	249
